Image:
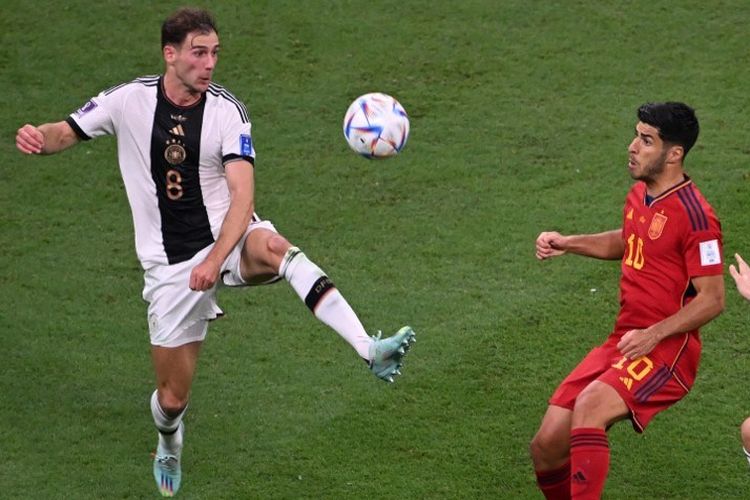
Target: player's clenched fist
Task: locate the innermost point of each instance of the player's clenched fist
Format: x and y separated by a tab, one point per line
204	276
29	139
549	244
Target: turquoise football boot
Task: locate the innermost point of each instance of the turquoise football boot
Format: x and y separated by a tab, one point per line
167	470
386	355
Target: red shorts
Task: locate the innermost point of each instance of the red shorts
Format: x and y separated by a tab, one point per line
648	384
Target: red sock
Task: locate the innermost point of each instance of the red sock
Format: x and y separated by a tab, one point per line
589	463
555	483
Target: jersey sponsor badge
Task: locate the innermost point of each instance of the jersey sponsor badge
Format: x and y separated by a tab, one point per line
86	108
710	254
246	145
657	226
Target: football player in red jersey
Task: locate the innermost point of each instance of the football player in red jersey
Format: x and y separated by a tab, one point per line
670	247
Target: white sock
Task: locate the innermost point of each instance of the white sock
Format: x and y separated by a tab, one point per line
169	438
747	454
324	300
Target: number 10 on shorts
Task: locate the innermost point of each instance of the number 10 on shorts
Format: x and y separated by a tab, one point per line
636	369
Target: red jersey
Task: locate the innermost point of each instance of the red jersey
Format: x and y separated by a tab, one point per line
668	240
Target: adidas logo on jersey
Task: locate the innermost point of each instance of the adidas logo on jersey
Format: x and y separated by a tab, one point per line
178	130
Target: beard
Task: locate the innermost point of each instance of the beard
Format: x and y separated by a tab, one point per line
651	170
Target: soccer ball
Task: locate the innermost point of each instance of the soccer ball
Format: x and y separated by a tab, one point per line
376	125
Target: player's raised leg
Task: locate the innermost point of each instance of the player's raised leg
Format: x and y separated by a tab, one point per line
174	368
267	255
597	407
550	453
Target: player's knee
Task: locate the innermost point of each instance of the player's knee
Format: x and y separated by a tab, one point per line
548	451
537	448
172	404
546	448
745	432
277	244
586	409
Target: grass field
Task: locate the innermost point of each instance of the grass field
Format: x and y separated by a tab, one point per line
520	111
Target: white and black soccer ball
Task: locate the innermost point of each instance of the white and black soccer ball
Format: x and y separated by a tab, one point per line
376	125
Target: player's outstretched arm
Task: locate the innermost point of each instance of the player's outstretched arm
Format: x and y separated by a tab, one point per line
45	139
741	275
607	245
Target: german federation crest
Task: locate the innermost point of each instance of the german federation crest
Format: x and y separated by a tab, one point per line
175	153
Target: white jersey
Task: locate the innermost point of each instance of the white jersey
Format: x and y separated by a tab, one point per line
172	162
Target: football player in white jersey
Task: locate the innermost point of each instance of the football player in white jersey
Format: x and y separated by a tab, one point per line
187	159
741	275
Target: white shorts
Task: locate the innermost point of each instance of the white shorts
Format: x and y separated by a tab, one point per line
178	315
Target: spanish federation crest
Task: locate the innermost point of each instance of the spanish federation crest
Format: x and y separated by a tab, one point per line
657	226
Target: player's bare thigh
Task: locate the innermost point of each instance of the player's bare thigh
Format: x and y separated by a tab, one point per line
262	254
599	405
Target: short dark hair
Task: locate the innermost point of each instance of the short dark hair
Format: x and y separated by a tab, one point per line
183	21
676	122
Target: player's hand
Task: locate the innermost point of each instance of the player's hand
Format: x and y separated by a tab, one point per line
549	244
741	275
204	276
29	140
637	343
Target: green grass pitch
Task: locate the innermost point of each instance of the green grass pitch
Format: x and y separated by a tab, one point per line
521	112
